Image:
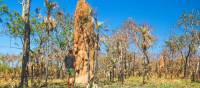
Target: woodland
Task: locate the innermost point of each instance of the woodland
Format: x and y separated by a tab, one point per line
103	58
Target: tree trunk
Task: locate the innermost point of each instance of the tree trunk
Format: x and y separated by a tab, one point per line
198	70
32	73
96	56
146	66
48	28
186	63
185	68
134	64
58	70
113	73
125	66
144	71
26	45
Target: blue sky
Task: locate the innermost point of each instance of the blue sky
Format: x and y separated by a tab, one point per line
162	15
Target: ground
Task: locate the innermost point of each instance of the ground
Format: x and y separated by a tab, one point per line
133	82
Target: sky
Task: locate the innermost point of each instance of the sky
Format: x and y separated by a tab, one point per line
162	15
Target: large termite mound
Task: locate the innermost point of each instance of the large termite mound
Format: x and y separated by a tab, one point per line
84	42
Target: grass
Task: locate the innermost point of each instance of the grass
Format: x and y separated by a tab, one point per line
136	82
56	83
132	82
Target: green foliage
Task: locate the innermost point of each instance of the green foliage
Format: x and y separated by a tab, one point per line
15	24
62	36
3	10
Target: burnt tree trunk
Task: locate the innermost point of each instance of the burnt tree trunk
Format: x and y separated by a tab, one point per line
134	64
96	56
26	45
186	63
198	70
146	66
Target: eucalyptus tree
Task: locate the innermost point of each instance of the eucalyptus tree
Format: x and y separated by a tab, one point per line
112	55
19	26
26	45
190	23
62	38
117	49
174	46
100	27
143	40
50	24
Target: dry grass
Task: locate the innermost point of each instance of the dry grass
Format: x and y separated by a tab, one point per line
136	82
132	82
14	83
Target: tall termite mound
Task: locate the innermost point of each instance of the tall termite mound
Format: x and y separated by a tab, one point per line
84	42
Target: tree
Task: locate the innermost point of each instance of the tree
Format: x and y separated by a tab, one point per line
143	40
62	38
50	24
190	23
26	45
174	45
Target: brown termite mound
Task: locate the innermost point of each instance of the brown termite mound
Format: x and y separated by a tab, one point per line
84	43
